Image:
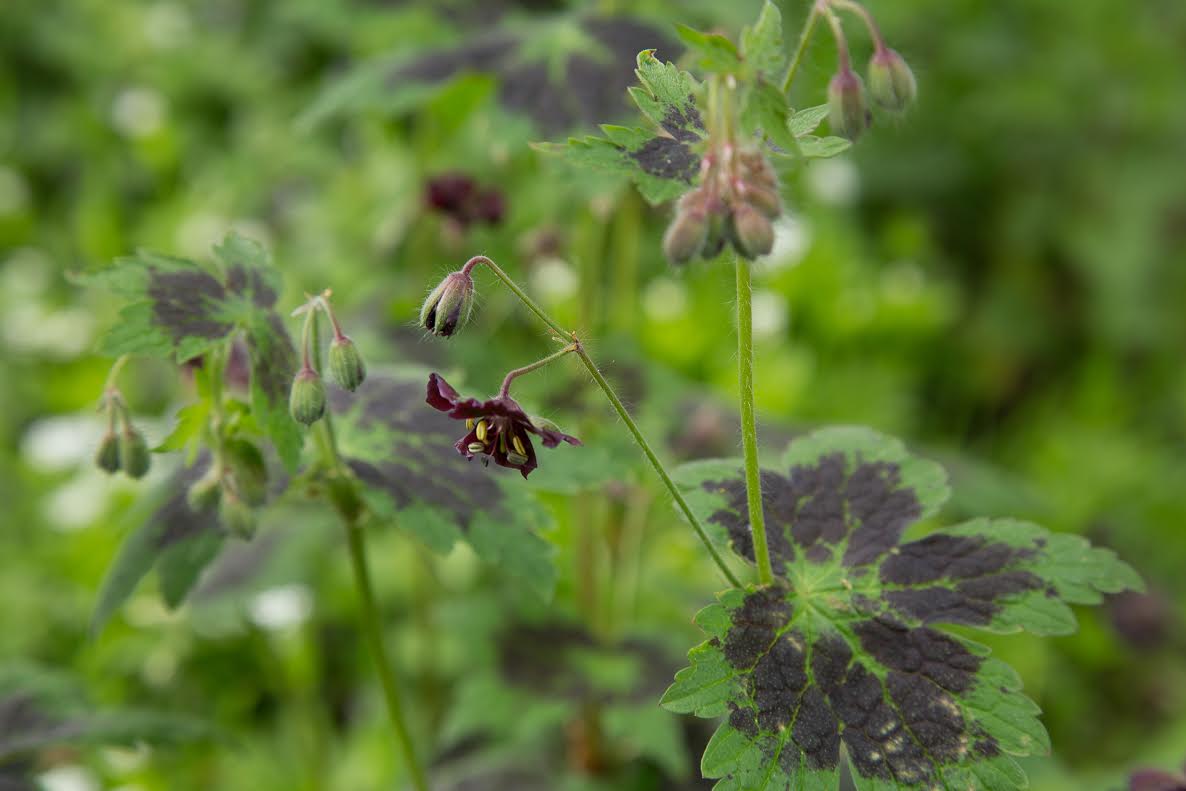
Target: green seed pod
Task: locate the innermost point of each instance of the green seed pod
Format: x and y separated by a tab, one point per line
134	456
306	402
688	231
752	231
247	473
204	493
847	112
345	364
107	457
891	82
448	307
236	516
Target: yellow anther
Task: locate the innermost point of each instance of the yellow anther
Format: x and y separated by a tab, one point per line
481	430
518	443
476	447
469	424
517	459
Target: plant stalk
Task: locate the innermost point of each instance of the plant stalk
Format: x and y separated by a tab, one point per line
515	374
372	624
804	37
749	431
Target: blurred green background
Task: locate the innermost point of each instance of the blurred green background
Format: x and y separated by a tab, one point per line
999	279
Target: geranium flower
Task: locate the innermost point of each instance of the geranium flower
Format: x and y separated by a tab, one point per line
497	428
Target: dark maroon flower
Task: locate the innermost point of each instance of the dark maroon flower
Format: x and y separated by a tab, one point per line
460	197
498	428
1156	780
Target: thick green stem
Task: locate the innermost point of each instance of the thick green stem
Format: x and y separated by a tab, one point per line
372	624
804	37
749	431
660	470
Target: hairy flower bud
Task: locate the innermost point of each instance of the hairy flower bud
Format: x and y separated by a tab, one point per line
107	457
847	112
891	82
204	493
764	200
247	473
448	307
688	231
237	516
345	363
134	456
306	401
752	231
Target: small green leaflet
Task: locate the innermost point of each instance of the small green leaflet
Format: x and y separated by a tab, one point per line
661	161
842	651
181	309
402	451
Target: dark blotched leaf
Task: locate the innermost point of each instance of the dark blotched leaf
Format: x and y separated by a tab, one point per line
841	650
180	309
662	161
178	541
402	450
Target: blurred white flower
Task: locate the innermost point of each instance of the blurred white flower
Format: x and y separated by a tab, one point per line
166	25
771	314
281	607
834	181
138	112
792	240
555	279
665	299
68	778
63	441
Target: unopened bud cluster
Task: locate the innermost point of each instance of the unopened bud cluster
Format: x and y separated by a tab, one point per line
123	447
236	485
736	203
306	399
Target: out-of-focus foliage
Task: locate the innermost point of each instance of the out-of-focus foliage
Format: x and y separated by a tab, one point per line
1000	278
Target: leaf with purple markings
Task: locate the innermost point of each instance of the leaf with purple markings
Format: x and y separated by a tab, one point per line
841	655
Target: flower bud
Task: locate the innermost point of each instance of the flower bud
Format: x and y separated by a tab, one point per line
891	82
756	169
345	363
752	231
247	474
306	402
204	493
237	517
688	231
107	457
133	453
764	200
448	307
847	113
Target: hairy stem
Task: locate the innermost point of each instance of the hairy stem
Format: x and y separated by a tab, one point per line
863	13
515	374
749	431
660	470
804	37
518	292
369	618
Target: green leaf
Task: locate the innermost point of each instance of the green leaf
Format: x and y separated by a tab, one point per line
714	52
812	147
662	162
766	110
402	451
761	44
191	419
842	650
804	122
176	540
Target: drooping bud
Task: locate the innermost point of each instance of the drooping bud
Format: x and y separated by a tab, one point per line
688	231
237	516
345	363
205	492
448	307
134	456
752	230
848	114
306	402
107	457
247	473
756	169
764	200
891	82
